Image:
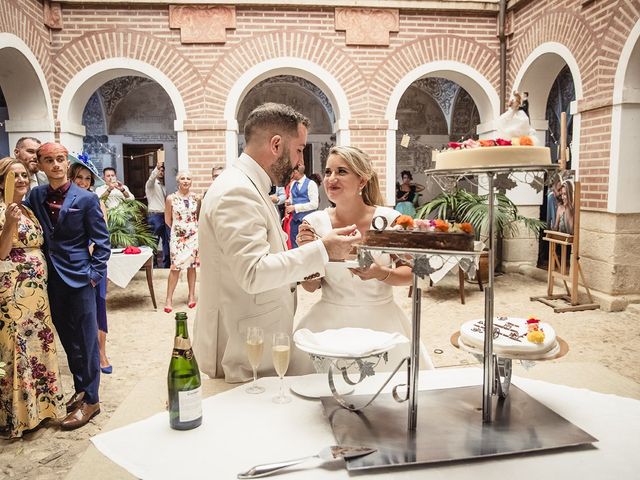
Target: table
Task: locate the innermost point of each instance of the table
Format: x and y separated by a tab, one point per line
241	430
122	267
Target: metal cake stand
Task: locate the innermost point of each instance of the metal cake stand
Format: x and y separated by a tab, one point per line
452	424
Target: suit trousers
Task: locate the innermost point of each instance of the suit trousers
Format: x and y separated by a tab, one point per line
160	230
73	311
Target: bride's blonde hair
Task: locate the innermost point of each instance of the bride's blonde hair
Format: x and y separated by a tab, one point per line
360	163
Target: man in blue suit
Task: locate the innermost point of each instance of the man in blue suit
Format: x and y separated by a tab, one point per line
71	220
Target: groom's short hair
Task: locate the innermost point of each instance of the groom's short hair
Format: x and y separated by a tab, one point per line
276	118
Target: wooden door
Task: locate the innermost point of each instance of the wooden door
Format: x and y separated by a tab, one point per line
139	161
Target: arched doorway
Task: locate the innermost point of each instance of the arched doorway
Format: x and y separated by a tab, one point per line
126	121
305	97
478	89
431	112
551	78
122	106
624	175
22	115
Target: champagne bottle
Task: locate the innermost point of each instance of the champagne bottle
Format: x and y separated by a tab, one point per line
183	379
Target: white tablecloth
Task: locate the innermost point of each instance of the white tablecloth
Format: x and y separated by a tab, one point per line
122	267
241	430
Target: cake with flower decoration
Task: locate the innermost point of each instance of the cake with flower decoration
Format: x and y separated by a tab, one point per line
421	234
515	145
517	338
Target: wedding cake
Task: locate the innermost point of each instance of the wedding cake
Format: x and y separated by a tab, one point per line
515	145
512	337
422	234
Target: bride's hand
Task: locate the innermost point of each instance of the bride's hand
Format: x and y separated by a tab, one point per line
374	272
306	234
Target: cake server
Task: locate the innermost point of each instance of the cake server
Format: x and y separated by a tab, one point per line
333	452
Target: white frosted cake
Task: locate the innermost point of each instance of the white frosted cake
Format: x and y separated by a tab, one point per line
512	338
499	156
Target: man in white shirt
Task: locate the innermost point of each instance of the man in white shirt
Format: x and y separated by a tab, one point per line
248	277
113	191
156	195
304	200
25	151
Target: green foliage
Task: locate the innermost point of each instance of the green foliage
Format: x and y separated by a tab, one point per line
127	226
462	206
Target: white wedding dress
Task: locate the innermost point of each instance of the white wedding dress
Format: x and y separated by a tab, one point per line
348	301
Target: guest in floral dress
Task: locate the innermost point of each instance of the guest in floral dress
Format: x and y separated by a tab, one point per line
30	391
181	215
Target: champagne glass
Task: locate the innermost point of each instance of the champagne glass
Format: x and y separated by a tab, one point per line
281	351
255	346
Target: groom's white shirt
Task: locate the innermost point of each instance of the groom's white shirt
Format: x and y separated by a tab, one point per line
247	276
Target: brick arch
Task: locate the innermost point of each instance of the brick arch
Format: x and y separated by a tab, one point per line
33	34
566	28
619	28
274	45
126	44
411	57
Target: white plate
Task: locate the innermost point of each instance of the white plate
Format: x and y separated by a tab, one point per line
316	385
320	353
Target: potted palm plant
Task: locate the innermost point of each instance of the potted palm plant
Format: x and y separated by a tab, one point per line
127	226
463	206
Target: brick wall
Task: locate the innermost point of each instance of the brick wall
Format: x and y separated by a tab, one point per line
204	73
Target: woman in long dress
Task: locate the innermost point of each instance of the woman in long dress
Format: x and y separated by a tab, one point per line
181	215
354	297
30	390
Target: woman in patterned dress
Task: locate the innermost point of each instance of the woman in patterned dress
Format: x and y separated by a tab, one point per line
181	215
30	390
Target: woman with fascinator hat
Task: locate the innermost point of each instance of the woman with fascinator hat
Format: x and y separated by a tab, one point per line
85	175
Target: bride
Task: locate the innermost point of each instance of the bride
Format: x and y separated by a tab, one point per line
354	297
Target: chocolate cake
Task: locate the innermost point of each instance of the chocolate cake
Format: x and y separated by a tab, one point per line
457	241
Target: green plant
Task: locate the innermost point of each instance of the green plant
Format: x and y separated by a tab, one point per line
463	206
127	226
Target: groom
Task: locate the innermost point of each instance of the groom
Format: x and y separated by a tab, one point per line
71	220
248	278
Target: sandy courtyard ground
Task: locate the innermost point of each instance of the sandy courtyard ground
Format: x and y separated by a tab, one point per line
140	342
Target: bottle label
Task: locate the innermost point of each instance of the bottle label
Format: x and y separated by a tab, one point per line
190	404
181	343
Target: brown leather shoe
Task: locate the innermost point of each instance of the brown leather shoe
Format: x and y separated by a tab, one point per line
74	402
80	416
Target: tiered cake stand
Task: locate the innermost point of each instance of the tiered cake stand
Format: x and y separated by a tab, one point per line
452	424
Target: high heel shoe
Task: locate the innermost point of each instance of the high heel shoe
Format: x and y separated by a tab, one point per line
191	305
168	310
108	369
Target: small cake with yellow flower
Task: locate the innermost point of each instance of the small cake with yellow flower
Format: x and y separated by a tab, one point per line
517	338
420	234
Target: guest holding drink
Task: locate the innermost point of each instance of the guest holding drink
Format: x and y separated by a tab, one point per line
31	391
355	297
181	212
86	176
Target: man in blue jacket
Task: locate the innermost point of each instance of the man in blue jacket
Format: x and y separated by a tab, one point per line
72	220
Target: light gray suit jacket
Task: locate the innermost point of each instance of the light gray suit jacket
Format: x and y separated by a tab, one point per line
247	275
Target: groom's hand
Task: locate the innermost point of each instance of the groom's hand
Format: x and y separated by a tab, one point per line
339	241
